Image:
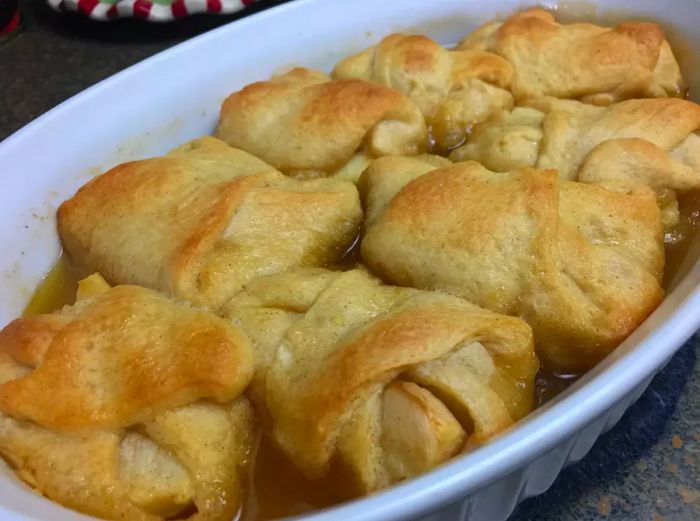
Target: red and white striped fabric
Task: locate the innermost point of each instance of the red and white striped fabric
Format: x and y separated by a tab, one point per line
147	10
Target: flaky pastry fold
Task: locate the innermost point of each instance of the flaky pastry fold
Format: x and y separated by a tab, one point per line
380	382
454	89
584	61
652	142
580	263
128	405
202	221
306	124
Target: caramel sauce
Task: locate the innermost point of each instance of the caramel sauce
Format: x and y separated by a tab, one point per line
679	240
549	384
275	488
57	289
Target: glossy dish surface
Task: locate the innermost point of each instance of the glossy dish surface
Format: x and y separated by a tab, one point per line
468	473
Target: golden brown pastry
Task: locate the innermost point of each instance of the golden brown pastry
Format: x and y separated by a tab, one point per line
379	381
454	89
304	123
653	142
204	220
581	264
574	134
385	176
583	61
127	405
508	140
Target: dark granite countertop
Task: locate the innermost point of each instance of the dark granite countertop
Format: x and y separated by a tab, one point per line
646	469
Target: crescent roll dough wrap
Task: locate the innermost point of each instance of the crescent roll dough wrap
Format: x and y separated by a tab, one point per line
454	89
202	221
581	264
654	142
385	382
581	60
127	405
304	122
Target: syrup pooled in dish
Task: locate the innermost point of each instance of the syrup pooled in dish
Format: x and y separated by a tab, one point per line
310	307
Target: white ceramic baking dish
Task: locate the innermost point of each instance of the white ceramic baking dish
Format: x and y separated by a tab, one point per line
175	96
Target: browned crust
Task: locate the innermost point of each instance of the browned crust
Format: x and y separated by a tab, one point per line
121	358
